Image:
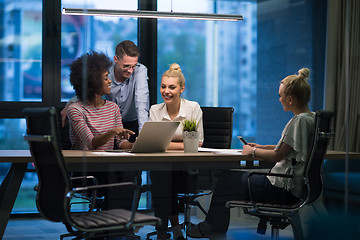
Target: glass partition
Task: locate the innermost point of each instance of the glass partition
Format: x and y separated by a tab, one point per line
20	80
228	64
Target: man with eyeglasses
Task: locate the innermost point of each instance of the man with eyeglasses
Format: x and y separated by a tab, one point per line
129	87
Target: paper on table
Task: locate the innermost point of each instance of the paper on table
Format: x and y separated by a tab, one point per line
217	150
112	153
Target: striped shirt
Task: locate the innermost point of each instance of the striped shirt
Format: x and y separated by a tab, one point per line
87	122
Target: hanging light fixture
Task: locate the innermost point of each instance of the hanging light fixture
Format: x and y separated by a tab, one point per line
151	14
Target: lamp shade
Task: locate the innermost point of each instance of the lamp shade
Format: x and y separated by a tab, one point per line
150	14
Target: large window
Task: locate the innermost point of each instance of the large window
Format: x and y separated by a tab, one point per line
20	63
241	64
20	79
217	58
20	55
80	34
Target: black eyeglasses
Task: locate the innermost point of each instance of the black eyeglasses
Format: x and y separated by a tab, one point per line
127	67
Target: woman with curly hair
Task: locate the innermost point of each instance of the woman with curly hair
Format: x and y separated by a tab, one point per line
95	123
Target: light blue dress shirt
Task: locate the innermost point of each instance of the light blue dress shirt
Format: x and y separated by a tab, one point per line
132	96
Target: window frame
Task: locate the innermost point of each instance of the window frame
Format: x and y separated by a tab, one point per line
51	58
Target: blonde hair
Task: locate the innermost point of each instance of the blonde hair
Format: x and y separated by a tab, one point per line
175	71
298	86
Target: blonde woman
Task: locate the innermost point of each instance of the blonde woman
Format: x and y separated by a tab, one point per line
166	185
289	156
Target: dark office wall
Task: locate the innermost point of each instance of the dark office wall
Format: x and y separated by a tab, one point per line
290	37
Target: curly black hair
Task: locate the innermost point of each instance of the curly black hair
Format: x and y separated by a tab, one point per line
89	67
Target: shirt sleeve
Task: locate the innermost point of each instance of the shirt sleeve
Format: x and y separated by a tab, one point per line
152	115
142	96
198	115
78	122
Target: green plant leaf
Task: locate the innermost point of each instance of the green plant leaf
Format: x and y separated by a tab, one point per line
190	125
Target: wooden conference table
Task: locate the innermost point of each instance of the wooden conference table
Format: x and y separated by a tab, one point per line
101	161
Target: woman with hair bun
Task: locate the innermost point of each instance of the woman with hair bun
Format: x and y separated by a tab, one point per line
289	156
166	185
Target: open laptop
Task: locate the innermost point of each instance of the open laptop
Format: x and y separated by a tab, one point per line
154	137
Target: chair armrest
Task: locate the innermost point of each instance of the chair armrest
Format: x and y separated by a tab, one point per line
78	189
85	181
84	177
69	195
271	174
264	174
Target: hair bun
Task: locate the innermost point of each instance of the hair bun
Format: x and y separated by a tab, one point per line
175	67
304	73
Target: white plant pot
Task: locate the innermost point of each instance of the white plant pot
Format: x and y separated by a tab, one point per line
191	142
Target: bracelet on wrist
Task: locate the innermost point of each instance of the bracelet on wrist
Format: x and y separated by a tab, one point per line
253	153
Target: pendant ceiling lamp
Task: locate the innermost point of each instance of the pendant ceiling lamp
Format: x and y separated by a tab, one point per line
150	14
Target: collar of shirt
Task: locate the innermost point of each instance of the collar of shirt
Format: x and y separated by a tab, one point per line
181	115
126	82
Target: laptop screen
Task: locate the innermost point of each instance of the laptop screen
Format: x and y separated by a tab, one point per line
155	137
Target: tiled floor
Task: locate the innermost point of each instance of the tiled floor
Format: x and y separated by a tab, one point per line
316	224
242	227
23	229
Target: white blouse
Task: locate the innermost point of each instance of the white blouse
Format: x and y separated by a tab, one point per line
188	110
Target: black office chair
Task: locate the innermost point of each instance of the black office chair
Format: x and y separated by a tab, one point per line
95	202
56	188
218	125
280	216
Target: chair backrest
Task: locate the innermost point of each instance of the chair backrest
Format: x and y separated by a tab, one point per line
42	135
218	126
322	135
64	132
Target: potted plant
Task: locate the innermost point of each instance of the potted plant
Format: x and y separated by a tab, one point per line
190	135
